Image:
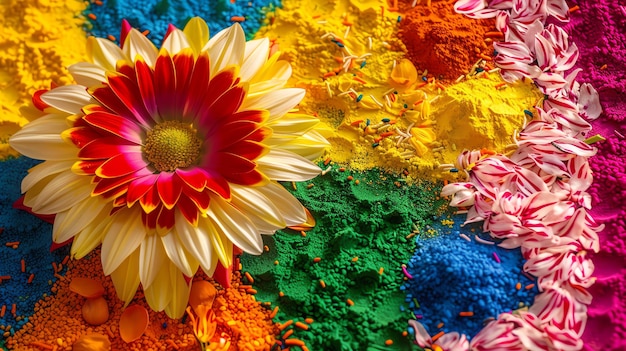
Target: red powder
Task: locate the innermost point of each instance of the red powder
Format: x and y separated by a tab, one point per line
443	42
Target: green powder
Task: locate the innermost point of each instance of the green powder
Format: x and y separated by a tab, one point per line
360	228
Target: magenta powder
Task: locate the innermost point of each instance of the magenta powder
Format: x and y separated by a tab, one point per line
599	31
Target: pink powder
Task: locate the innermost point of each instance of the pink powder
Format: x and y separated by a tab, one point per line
599	31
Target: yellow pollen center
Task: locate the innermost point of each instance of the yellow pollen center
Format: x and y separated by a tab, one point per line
171	145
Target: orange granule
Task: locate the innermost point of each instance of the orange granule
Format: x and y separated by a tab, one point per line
57	321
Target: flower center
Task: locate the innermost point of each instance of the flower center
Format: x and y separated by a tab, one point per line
171	145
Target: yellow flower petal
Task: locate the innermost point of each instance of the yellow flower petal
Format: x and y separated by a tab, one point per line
197	33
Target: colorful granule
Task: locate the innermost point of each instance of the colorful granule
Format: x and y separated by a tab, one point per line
39	40
29	241
453	278
442	41
57	319
346	273
155	15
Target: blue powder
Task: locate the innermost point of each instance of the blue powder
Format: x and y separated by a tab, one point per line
156	15
35	237
452	275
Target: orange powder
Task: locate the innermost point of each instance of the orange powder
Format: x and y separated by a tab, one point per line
437	39
58	323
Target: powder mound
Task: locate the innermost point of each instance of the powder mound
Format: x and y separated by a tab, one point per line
451	275
472	116
346	273
437	39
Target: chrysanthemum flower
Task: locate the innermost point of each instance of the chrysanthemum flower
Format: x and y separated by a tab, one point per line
170	158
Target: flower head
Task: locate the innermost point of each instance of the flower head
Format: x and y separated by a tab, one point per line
170	157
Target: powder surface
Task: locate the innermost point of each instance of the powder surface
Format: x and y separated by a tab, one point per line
442	41
156	15
473	113
452	275
57	318
34	241
39	40
599	30
361	231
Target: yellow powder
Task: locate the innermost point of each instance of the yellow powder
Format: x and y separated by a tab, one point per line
39	40
438	121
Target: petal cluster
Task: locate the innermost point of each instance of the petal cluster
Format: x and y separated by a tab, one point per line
536	198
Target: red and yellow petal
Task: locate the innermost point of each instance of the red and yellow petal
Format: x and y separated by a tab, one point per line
169	186
116	125
121	165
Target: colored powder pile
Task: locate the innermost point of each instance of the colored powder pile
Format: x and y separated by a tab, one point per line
317	37
442	41
57	320
26	238
106	16
599	31
346	273
39	40
452	275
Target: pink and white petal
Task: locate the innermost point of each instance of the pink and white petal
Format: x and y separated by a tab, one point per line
236	226
563	339
137	44
255	56
151	258
277	102
122	238
558	9
581	176
589	102
568	58
544	52
68	98
422	338
514	71
469	6
261	210
453	342
291	209
175	42
486	13
180	289
550	164
226	48
176	252
197	241
58	193
514	51
87	74
549	82
104	53
159	293
125	277
283	165
69	223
